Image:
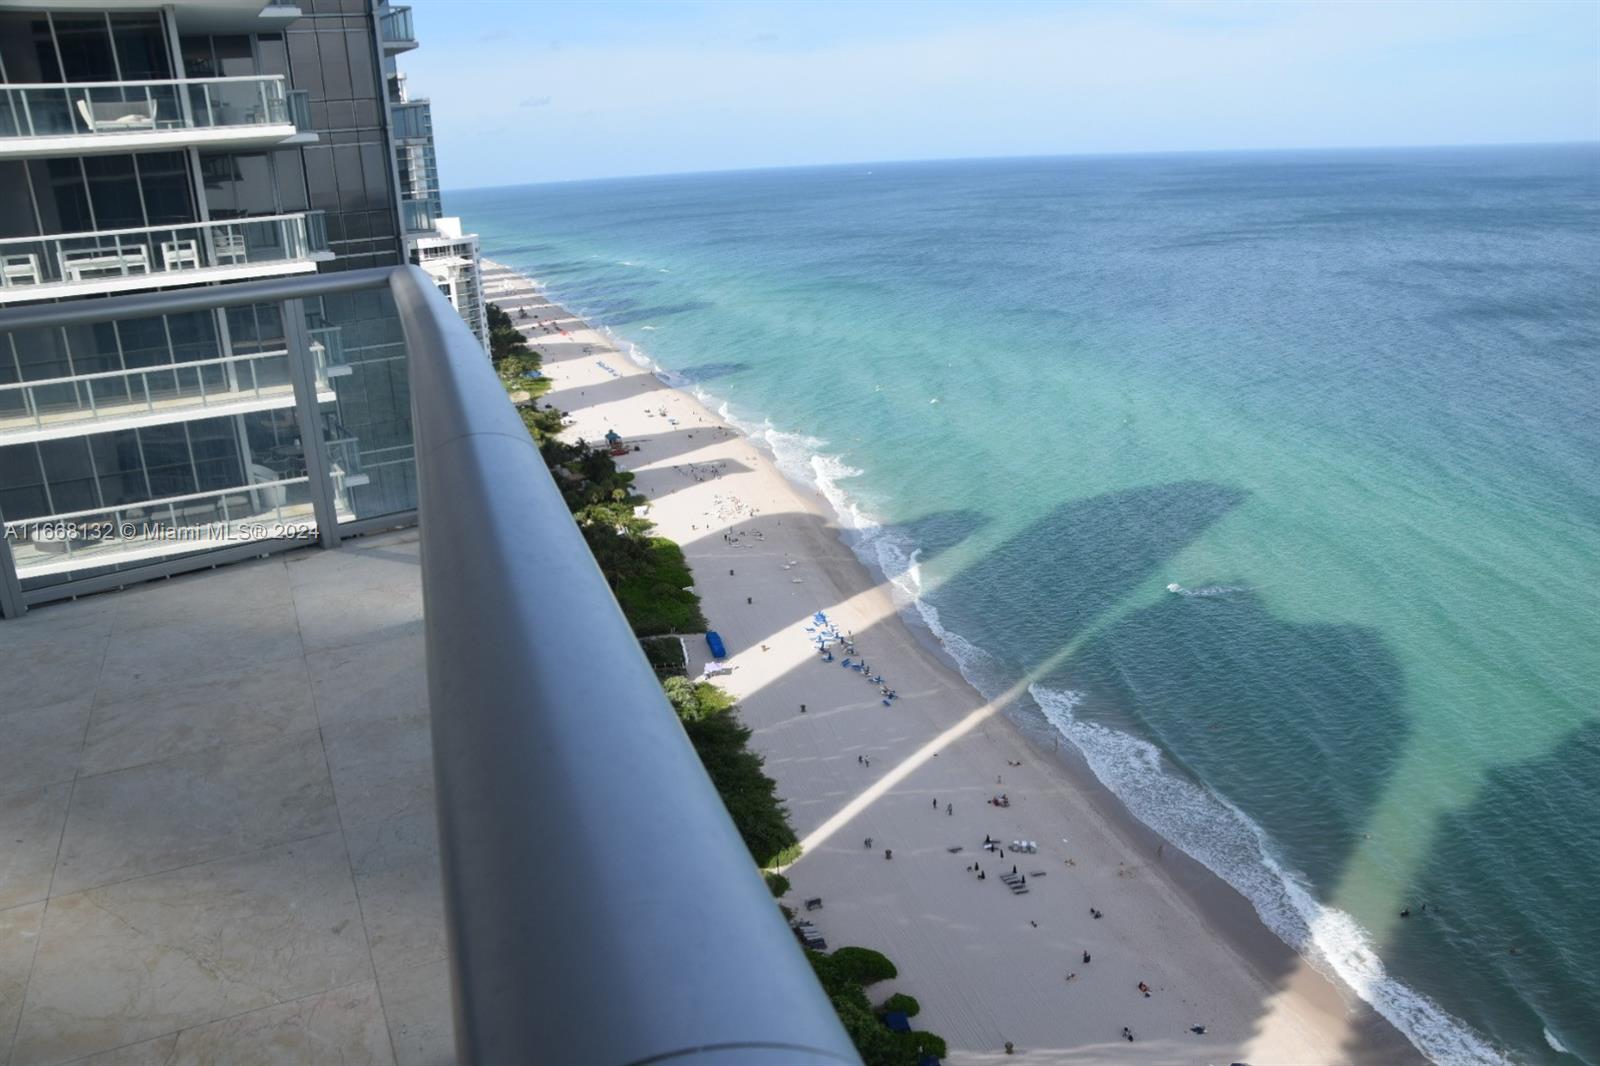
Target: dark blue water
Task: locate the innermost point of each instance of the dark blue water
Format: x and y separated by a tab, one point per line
1274	477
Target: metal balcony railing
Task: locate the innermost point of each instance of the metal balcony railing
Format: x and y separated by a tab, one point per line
395	27
144	256
107	107
56	543
548	726
79	403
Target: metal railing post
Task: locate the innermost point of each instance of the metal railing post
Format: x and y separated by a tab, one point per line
303	376
11	605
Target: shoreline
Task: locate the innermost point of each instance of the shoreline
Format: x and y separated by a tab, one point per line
1199	943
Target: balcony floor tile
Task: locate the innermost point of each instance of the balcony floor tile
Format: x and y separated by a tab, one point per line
343	1026
191	946
30	826
396	864
19	936
227	831
194	808
417	1003
42	744
258	702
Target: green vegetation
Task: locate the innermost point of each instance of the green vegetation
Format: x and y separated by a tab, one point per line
863	966
711	720
778	883
845	976
901	1002
665	655
514	360
504	338
656	598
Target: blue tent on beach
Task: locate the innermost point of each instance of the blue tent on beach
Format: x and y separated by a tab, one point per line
714	641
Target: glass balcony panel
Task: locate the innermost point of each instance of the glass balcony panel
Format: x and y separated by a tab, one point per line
82	257
124	496
396	24
93	108
171	390
366	425
417	214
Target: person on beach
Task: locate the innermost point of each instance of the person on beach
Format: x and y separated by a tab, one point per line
888	853
1127	1034
1086	958
1145	989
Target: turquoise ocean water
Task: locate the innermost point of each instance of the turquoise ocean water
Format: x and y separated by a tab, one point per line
1275	478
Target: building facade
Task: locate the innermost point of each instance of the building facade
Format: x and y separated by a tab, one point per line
434	241
199	142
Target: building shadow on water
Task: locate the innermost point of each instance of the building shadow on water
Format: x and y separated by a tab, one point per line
1301	725
627	315
1067	602
699	375
1043	587
1510	884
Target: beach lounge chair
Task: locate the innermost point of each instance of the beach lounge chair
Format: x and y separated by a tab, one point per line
115	115
814	904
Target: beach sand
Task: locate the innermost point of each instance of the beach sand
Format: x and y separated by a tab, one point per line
987	966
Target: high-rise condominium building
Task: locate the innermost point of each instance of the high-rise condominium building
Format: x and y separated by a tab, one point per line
434	241
204	142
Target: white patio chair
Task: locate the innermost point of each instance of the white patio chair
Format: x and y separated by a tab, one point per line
19	269
180	255
230	247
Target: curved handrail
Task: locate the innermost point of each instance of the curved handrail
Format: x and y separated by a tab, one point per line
600	905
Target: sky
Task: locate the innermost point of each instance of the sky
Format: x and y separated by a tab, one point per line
556	91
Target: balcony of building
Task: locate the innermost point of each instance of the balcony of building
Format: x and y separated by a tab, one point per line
237	831
394	27
122	399
122	260
418	213
81	118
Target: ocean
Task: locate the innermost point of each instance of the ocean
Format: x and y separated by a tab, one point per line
1274	479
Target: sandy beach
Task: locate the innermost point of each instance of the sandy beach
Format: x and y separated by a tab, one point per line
917	777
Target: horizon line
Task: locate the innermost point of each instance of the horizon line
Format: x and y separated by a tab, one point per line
1032	156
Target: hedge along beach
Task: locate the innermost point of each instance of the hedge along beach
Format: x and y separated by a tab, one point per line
919	777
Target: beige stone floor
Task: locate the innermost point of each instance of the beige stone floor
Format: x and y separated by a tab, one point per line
216	820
